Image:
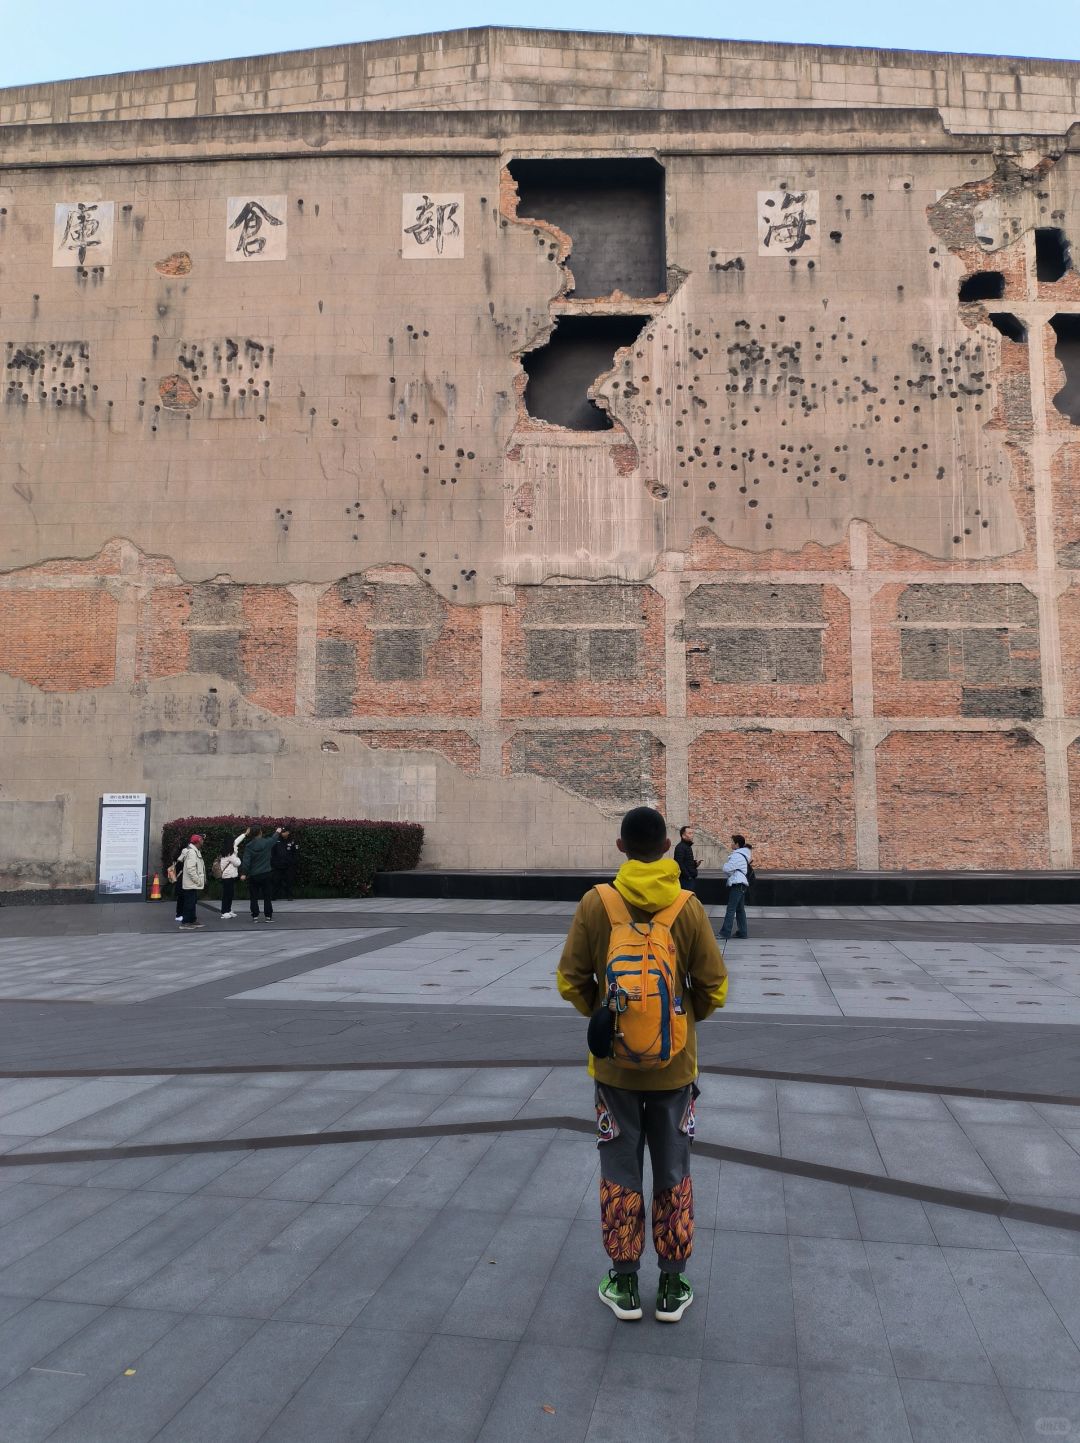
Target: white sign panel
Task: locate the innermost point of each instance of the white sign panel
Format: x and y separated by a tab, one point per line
256	228
432	226
122	845
83	232
788	223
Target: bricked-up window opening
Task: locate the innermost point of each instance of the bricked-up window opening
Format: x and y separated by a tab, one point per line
1067	350
560	373
613	212
983	286
1051	253
1010	326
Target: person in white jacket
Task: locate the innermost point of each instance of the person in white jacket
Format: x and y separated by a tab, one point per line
230	870
193	878
735	870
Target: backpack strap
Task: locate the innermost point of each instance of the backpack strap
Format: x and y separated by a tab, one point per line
614	904
668	915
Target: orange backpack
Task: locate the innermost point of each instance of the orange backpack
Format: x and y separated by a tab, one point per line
643	988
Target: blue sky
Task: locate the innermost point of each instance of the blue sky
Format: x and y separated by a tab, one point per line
73	37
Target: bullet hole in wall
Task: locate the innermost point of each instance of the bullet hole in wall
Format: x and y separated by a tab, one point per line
613	211
1010	326
1051	253
983	286
1067	351
559	374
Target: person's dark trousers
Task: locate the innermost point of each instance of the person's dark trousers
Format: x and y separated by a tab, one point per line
282	885
191	898
261	887
228	888
178	892
627	1123
736	912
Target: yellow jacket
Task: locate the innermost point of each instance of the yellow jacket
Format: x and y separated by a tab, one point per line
646	887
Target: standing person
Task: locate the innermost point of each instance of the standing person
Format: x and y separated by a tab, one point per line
230	870
737	871
644	1097
193	877
177	869
286	864
687	862
258	871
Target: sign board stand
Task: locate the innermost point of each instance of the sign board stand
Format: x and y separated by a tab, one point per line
123	848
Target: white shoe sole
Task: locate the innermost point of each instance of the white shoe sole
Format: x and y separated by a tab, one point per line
675	1316
624	1315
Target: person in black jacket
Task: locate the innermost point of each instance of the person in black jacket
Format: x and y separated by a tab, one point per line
687	862
286	862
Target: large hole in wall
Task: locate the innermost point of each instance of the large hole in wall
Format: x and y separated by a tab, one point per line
1051	253
983	286
1067	330
613	212
1010	326
560	373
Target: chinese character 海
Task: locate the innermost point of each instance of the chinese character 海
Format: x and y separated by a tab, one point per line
80	230
788	229
434	222
250	222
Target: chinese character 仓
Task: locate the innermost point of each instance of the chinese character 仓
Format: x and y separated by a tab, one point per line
255	228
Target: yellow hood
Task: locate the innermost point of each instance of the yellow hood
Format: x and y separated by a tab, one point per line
649	885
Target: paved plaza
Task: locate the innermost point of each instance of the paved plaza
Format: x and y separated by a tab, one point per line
334	1179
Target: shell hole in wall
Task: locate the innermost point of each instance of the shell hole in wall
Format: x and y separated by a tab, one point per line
983	286
1010	326
613	211
580	350
1051	253
1067	350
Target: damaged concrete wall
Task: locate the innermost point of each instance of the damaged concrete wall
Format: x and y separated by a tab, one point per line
284	531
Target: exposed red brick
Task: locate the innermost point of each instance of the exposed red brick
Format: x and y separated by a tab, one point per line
456	746
791	794
966	800
178	264
708	553
58	640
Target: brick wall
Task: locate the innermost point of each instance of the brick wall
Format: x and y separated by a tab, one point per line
58	640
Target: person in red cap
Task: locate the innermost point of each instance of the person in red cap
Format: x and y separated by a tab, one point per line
192	879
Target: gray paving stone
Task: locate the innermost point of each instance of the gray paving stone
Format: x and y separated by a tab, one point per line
133	1410
340	1286
558	1183
547	1396
837	1321
308	1109
1024	1338
152	1108
23	1198
498	1298
1037	1238
33	1332
836	1140
746	1403
241	1400
571	1292
852	1408
433	1180
317	1171
812	1097
644	1397
37	1273
195	1171
496	1181
10	1306
961	1228
1059	1278
928	1327
51	1220
819	1209
958	1412
750	1200
1042	1414
74	1104
38	1401
448	1392
106	1280
416	1296
131	1172
886	1219
938	1153
349	1389
1027	1160
751	1316
253	1172
505	1082
378	1171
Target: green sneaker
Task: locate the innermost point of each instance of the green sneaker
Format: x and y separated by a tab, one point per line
620	1292
673	1297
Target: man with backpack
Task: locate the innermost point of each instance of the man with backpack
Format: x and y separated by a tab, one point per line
193	879
739	871
641	961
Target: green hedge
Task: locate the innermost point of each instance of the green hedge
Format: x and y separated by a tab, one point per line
337	858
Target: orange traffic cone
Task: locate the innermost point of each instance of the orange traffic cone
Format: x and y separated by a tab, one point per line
155	889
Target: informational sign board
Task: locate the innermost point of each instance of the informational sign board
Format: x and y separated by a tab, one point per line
123	846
